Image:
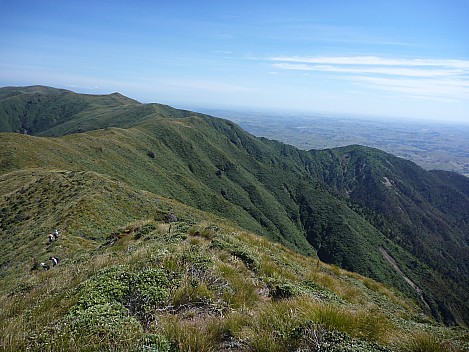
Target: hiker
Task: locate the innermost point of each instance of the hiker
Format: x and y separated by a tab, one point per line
56	234
55	260
44	266
50	238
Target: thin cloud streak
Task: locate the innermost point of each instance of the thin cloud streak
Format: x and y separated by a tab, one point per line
432	88
375	70
374	60
207	85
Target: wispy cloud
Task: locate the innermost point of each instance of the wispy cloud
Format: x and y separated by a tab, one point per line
374	60
433	78
430	88
206	85
224	52
399	71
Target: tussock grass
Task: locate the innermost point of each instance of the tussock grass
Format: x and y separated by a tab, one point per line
192	291
194	334
241	291
215	299
423	341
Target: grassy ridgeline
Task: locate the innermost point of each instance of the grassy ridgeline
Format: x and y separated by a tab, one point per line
207	286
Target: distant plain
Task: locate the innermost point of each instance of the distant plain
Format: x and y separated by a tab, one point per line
430	144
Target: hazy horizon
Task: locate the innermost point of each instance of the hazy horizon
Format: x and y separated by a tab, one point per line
393	59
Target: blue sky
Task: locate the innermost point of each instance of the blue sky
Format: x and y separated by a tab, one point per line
401	58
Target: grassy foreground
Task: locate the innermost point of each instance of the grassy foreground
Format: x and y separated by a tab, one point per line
206	286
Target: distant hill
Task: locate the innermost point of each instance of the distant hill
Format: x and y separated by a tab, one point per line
356	207
46	111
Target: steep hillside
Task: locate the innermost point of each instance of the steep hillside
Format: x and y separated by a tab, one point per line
184	159
420	211
187	284
356	207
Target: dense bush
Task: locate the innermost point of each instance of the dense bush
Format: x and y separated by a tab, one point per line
130	294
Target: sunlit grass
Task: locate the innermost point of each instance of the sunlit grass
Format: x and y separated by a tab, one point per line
217	300
192	335
241	292
422	341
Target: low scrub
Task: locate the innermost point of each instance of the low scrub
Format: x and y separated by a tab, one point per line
207	288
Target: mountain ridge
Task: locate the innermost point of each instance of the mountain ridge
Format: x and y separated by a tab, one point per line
317	202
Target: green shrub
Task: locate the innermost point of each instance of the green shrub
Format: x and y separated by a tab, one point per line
138	292
108	321
147	290
105	324
111	284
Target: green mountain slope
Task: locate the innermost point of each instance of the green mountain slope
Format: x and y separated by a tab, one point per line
197	285
132	278
420	211
342	205
46	111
